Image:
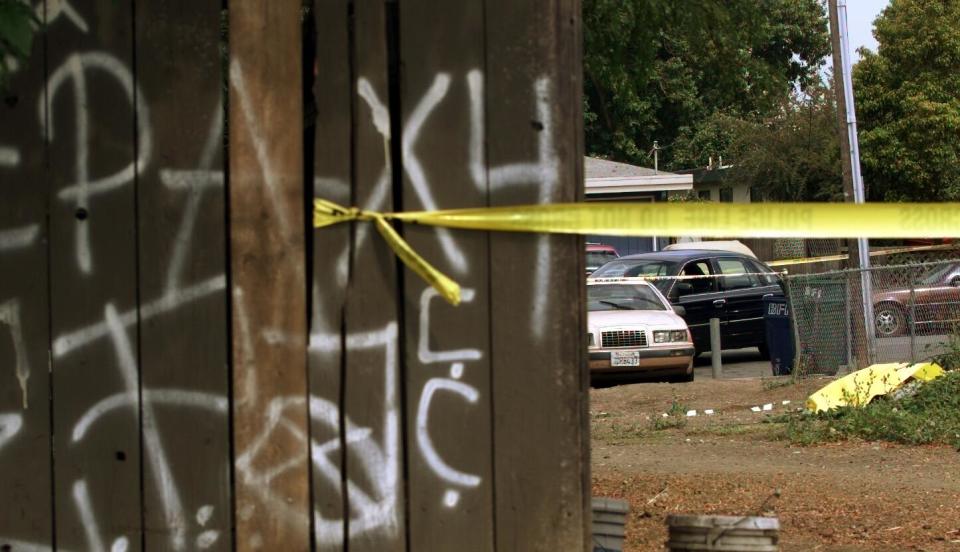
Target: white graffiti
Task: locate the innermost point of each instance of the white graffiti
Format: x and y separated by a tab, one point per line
174	517
10	425
9	157
84	188
19	238
380	461
252	124
178	398
56	8
196	182
10	316
81	499
543	174
433	459
424	353
75	339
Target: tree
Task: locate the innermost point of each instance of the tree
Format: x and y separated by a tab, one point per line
656	69
792	155
908	103
795	155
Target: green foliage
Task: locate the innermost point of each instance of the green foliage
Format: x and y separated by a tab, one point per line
17	27
656	69
795	154
676	417
792	155
908	103
949	357
930	416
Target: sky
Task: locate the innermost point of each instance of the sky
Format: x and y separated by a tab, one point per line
860	16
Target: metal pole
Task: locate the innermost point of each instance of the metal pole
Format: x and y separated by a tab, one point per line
656	157
913	324
716	355
849	319
853	153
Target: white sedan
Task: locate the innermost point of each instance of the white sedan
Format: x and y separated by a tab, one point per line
635	332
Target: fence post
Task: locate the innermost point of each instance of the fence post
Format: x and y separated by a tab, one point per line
849	332
912	323
716	354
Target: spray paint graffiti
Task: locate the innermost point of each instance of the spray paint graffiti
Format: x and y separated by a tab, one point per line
84	188
374	489
10	316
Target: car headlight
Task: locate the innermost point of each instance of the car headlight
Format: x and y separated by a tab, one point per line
669	336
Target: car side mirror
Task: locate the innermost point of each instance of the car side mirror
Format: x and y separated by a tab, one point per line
681	312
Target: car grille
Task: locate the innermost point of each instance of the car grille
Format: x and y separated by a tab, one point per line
625	338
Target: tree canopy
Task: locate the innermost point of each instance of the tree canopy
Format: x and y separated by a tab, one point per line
659	69
908	103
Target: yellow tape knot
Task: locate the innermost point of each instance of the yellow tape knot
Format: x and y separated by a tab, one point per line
327	213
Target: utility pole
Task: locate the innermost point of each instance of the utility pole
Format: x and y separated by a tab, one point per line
656	157
859	249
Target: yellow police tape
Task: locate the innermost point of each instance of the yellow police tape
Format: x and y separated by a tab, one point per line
758	220
879	253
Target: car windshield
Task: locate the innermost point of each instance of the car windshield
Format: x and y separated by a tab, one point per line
607	297
598	258
626	268
936	275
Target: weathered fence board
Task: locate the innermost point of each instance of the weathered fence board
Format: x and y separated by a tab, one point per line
268	282
540	395
184	407
447	349
24	394
92	136
182	247
333	94
372	371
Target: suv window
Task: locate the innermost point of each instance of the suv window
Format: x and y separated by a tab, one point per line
767	279
740	276
699	268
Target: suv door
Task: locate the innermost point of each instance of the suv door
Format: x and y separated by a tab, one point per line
698	299
743	285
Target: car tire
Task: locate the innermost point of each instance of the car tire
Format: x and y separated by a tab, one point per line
889	320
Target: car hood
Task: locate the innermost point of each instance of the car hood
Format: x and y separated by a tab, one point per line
597	320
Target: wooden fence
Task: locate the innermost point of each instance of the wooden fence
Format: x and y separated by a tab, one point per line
189	366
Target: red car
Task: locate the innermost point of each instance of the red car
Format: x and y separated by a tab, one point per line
598	255
935	304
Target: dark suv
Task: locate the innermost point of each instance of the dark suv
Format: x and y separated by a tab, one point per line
725	285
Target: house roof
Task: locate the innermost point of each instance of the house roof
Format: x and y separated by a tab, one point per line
602	168
610	177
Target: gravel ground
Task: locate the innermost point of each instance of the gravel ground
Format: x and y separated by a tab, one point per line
850	496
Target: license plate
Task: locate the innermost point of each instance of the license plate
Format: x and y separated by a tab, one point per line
625	358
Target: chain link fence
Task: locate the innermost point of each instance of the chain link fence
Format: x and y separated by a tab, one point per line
916	307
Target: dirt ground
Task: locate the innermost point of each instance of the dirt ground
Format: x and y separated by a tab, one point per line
848	496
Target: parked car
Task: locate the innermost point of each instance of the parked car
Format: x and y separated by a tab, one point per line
735	246
935	300
634	332
708	284
598	255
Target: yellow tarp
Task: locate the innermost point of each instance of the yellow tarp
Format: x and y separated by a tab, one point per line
862	386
